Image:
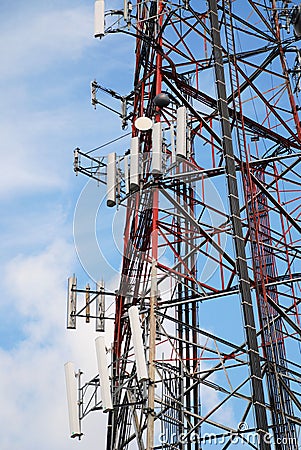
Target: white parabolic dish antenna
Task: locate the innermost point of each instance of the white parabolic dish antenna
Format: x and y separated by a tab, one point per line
143	123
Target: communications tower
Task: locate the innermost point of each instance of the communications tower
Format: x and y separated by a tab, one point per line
206	345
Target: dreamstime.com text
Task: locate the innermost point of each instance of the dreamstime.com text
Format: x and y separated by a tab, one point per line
242	436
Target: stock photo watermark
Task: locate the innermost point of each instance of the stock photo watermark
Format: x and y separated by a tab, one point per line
242	436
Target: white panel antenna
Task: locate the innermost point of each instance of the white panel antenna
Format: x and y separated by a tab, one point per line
138	343
154	282
127	9
172	141
103	374
126	175
157	148
111	180
181	138
100	307
71	302
134	165
72	399
99	18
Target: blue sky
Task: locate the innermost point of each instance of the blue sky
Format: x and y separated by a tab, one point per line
48	58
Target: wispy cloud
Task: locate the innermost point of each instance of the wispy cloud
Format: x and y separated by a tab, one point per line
34	118
32	380
35	41
48	57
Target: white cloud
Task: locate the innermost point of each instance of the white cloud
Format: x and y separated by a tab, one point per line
27	228
40	273
46	55
39	108
32	378
32	153
35	41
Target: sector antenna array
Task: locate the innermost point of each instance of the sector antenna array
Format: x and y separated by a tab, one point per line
206	343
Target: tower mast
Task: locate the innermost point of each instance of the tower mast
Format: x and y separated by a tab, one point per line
206	344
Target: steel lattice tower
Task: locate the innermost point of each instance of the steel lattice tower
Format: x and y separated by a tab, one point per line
212	232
